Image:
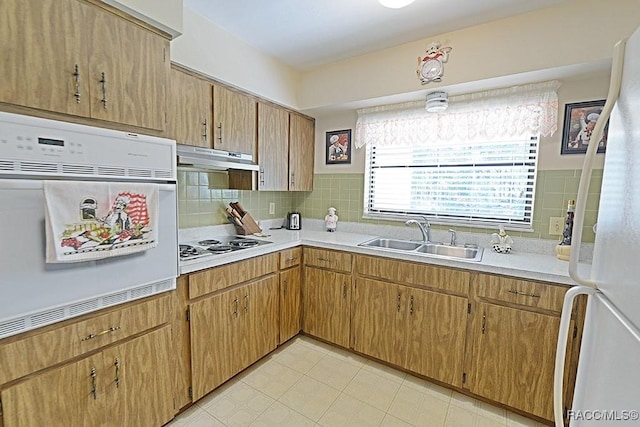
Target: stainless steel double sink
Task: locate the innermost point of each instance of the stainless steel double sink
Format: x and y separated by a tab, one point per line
437	250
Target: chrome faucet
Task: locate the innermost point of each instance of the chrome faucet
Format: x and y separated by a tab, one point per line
453	236
425	228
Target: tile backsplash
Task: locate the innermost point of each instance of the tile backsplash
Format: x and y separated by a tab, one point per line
201	204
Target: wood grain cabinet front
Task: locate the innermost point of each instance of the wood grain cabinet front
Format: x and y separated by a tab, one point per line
235	120
127	384
189	109
512	339
100	65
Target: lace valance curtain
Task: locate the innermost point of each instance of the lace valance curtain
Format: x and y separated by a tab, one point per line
505	112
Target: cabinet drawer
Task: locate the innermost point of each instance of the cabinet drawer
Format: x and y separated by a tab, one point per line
217	278
57	344
410	273
522	292
290	258
333	260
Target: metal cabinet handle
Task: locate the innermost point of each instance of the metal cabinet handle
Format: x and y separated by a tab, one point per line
411	305
103	80
286	285
344	290
484	322
293	179
261	176
398	303
220	132
76	76
94	388
116	363
292	259
325	259
246	303
106	331
511	291
235	307
204	130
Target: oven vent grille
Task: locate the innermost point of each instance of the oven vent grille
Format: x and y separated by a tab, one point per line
143	173
141	292
12	327
84	307
38	167
48	317
36	320
115	298
77	169
6	165
163	174
111	171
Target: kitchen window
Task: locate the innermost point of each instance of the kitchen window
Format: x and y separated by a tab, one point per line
473	165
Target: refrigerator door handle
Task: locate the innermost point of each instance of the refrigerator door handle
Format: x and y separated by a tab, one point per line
561	351
587	168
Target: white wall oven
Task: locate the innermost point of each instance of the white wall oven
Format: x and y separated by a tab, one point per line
88	220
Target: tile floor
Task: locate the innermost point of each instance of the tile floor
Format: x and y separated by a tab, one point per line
309	383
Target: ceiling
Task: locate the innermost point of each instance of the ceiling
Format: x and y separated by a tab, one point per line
309	33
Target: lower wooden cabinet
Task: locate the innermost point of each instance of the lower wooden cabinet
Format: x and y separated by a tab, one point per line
416	329
231	330
128	384
326	302
290	303
513	357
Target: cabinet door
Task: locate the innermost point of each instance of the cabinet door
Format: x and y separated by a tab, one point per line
128	69
262	321
437	325
290	302
189	105
301	149
215	329
139	373
234	119
273	147
326	299
72	395
39	60
379	321
514	357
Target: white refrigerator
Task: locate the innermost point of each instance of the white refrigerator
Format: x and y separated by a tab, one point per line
608	381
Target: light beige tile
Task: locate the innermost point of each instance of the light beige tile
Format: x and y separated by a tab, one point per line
300	357
315	344
272	378
238	405
516	420
385	371
279	415
492	412
418	407
373	388
391	421
460	417
334	372
348	411
462	401
310	397
348	357
425	386
195	417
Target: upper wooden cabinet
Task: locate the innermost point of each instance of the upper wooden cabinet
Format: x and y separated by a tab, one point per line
273	148
301	152
234	120
70	57
190	107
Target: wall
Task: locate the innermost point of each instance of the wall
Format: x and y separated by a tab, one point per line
217	53
575	33
164	14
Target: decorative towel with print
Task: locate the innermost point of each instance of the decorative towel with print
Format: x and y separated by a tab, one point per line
92	220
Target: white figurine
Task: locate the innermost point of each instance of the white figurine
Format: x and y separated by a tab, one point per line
501	242
331	220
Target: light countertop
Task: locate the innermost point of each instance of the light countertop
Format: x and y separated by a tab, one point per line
518	264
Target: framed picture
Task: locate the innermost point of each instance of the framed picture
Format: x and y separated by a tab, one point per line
338	147
579	121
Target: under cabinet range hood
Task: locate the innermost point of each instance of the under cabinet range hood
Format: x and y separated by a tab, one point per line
207	158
